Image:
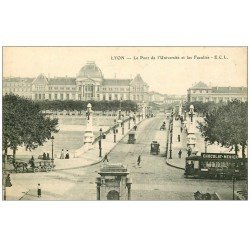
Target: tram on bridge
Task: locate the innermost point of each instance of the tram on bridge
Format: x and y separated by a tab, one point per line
216	166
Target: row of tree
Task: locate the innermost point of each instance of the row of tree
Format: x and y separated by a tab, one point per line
227	125
70	105
24	124
202	108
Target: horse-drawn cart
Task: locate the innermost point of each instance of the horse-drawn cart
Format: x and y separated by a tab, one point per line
34	166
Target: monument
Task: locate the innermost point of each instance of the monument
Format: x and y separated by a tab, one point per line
114	183
88	133
88	137
191	129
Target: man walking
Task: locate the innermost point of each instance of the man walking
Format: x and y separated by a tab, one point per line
139	160
179	153
62	154
39	190
106	158
179	138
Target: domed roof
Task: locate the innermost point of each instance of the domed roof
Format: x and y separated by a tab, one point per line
90	70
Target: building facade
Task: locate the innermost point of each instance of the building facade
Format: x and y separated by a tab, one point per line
88	85
156	97
204	93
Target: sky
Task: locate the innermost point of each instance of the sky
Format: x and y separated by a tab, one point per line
168	70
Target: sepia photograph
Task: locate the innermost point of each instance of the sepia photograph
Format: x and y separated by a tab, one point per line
124	123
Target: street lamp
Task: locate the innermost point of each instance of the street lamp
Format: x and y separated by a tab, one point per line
52	148
171	135
233	184
115	131
100	143
122	125
129	120
120	110
205	145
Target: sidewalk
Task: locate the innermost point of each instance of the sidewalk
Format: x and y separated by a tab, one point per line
182	145
177	146
91	157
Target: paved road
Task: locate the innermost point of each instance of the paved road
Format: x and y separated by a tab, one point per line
153	180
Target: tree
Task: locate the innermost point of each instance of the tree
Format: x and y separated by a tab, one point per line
25	124
227	125
202	108
59	105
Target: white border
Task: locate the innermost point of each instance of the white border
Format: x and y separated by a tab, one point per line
124	225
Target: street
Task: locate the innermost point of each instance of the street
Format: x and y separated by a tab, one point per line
152	180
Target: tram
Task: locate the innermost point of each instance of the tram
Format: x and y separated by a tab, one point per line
216	166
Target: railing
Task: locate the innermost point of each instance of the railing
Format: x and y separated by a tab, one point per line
110	130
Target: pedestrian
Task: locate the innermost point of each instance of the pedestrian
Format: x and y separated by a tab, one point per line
8	181
47	157
32	162
179	138
44	156
62	154
135	127
179	153
106	158
192	165
189	152
39	190
67	154
181	129
139	160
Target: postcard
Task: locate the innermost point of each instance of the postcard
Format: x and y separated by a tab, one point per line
124	123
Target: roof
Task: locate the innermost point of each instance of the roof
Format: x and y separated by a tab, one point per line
90	70
116	82
236	90
18	79
41	79
200	85
113	168
138	80
62	81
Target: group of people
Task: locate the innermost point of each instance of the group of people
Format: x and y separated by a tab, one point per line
45	156
64	156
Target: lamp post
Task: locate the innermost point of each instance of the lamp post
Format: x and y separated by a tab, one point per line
205	145
129	120
115	131
52	147
122	125
100	143
171	135
233	185
120	110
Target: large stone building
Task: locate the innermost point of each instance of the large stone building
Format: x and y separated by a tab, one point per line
88	85
204	93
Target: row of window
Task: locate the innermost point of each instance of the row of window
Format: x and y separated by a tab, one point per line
55	97
200	91
215	99
62	88
7	90
11	85
87	96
